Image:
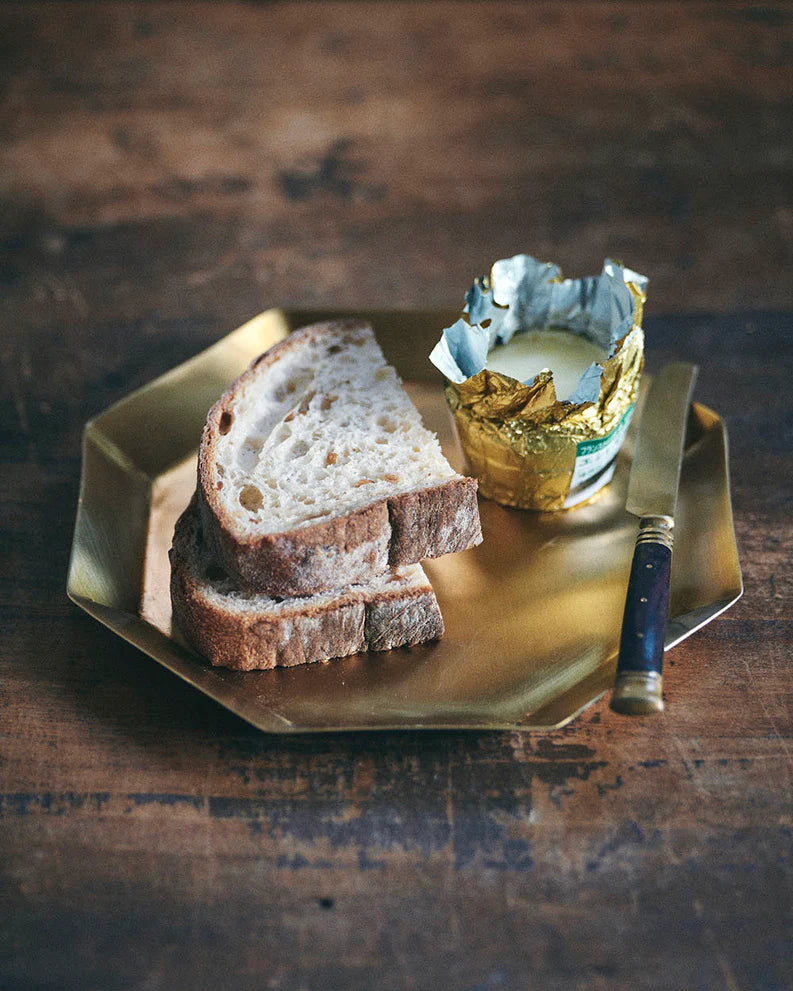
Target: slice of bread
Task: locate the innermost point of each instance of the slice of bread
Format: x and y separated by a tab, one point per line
247	630
315	471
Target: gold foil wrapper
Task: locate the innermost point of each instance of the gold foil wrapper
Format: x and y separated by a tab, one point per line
522	443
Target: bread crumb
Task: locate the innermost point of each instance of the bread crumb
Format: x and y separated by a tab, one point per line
305	402
251	498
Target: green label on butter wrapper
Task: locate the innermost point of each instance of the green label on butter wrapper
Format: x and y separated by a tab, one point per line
595	461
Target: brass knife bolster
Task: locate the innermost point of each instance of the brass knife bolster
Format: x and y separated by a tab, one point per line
656	530
638	687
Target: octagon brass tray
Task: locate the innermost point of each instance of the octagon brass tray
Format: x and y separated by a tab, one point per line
532	615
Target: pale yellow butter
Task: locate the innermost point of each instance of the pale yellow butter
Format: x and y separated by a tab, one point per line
564	353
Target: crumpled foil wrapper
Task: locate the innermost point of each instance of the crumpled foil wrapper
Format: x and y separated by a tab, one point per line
528	449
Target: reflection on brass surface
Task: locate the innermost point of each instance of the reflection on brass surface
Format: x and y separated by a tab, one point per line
532	615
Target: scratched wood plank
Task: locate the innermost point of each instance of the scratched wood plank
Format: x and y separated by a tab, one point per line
341	154
164	174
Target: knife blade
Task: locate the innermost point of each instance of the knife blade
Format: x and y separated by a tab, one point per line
652	496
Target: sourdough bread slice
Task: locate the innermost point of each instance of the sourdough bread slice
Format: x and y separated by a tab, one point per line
315	471
246	630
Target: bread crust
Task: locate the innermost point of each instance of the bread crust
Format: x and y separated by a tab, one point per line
441	519
352	621
402	529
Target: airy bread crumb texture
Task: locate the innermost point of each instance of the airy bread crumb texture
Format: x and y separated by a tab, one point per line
325	430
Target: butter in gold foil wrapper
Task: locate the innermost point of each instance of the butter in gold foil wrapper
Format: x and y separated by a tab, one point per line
529	447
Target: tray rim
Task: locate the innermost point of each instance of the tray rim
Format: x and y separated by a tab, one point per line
132	628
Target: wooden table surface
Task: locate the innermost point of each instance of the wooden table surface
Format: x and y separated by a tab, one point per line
167	171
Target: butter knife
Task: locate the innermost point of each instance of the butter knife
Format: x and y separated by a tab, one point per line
652	496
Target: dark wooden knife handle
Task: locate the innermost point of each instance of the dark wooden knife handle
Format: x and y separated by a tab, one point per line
638	686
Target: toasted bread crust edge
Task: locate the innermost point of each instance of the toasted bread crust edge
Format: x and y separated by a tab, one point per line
403	529
350	623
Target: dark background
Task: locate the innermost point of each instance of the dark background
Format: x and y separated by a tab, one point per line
167	171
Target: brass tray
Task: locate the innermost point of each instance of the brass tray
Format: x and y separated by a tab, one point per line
532	615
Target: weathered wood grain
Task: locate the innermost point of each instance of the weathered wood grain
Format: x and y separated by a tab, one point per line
307	153
168	170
